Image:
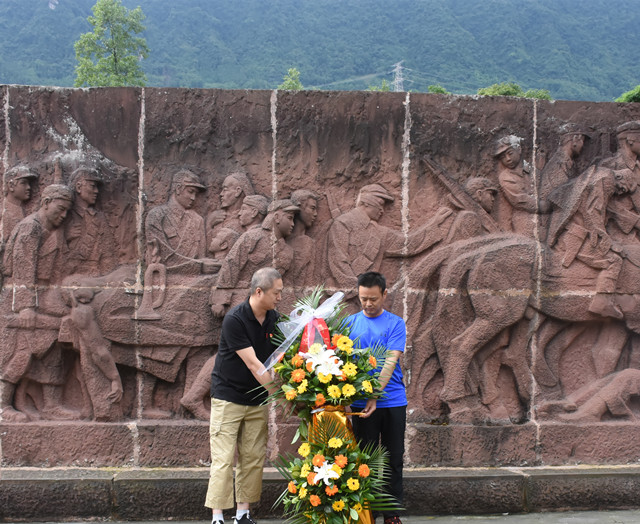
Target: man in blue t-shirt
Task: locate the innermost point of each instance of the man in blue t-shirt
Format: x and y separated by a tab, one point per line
385	419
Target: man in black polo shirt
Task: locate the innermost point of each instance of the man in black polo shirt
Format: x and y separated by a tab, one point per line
237	414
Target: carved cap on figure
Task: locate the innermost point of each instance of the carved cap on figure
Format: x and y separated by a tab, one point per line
374	193
85	173
18	172
56	191
506	142
258	202
184	177
480	183
570	128
285	205
628	128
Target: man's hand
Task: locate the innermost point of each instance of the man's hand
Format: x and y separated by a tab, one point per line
369	408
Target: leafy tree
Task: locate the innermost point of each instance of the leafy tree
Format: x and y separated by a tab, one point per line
437	88
503	89
291	81
111	54
384	86
541	94
630	96
513	89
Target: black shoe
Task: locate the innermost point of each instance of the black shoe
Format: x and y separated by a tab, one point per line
217	522
245	519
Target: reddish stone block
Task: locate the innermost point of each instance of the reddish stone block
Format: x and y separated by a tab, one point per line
67	444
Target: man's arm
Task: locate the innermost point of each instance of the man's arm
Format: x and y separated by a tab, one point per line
385	375
248	356
390	362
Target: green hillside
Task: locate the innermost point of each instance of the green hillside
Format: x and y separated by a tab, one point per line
575	49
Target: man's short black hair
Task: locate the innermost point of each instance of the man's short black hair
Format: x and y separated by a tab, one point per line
372	279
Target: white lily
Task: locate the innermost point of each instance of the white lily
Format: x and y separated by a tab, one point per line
325	473
325	362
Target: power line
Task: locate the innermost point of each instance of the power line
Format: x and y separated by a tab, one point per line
398	80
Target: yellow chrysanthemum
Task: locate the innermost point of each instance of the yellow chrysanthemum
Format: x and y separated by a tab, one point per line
358	507
324	378
337	469
338	505
303	386
345	344
315	349
348	390
353	484
291	394
304	470
334	391
304	450
302	492
366	385
350	369
335	442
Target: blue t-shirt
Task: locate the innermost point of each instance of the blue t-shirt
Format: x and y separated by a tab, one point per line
390	331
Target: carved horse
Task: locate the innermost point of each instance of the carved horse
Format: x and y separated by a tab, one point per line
487	285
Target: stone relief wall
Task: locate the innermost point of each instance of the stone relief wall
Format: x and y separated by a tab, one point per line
132	219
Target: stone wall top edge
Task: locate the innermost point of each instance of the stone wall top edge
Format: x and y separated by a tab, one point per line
452	96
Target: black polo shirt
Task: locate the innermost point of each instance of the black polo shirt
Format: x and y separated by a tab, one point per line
231	379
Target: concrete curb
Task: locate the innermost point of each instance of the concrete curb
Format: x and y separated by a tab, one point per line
29	494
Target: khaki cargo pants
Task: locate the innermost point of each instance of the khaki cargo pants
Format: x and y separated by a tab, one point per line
245	427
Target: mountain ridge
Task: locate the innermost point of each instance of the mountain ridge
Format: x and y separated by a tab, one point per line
576	50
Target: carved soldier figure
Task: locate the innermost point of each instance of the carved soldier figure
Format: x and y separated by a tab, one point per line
466	223
625	209
560	167
175	232
357	243
517	203
303	245
235	188
579	229
17	191
90	240
258	247
251	214
34	261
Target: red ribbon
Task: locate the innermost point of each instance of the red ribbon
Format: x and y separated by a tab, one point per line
315	331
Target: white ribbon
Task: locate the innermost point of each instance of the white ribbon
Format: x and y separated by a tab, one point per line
298	319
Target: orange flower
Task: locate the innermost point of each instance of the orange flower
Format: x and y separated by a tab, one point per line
297	375
292	487
335	338
311	479
315	500
297	360
343	377
331	490
318	460
363	470
320	400
341	460
373	361
309	366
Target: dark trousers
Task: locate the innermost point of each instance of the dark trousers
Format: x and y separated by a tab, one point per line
386	426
